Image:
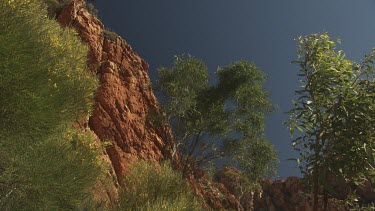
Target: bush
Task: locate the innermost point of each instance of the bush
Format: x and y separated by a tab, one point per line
148	188
44	79
44	86
49	174
92	10
110	34
55	7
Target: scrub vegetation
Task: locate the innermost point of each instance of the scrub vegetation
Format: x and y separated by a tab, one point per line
46	164
110	34
54	7
151	188
335	116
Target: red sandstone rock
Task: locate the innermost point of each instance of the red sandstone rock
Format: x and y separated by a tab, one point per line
215	195
124	98
122	101
294	185
275	195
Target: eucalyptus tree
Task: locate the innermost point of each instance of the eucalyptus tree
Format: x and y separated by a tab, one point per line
335	116
217	121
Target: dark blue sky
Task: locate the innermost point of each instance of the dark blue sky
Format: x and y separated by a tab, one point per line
263	31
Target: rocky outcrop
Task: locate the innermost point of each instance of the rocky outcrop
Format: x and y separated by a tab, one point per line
124	98
215	194
290	194
123	101
276	195
287	195
232	180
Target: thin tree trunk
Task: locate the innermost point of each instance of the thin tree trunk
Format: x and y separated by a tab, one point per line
325	200
316	176
195	143
325	194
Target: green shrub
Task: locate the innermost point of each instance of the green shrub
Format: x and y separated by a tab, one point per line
49	174
44	79
148	188
55	7
44	86
110	34
92	10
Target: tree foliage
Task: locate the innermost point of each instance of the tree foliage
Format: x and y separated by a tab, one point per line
222	121
44	88
334	114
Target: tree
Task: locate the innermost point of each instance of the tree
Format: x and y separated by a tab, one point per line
334	114
45	87
221	121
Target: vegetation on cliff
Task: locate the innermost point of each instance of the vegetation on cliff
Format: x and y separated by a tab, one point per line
45	88
54	7
149	188
335	115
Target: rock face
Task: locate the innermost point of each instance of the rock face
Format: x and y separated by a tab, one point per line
123	104
123	101
287	195
215	194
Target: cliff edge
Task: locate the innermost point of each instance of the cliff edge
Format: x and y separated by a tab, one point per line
123	100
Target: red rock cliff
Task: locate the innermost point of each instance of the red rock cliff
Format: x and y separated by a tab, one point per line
122	103
124	98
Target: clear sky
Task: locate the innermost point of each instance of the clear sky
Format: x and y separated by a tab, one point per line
263	31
